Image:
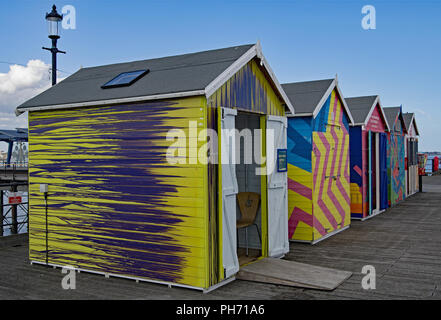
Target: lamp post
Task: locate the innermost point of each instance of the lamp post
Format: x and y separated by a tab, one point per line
53	18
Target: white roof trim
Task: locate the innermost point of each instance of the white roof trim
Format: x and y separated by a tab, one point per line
322	101
112	101
413	121
334	84
403	124
384	115
397	118
230	71
374	105
417	131
345	105
254	51
371	110
274	78
290	115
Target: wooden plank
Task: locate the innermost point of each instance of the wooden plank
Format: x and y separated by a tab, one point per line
294	274
258	277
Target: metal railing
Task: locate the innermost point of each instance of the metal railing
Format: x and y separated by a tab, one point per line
16	216
13	165
16	224
13	171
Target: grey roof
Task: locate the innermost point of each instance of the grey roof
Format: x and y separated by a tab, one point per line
407	119
305	96
391	114
187	72
360	107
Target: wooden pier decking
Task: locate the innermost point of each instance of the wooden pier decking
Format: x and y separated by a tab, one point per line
403	244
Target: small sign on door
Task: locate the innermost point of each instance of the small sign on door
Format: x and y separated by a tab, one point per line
282	160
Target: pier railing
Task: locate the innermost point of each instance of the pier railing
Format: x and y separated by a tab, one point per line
14	214
16	171
13	165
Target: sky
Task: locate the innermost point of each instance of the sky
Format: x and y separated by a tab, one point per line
400	60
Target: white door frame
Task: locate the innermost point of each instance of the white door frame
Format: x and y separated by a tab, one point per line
377	173
277	188
229	189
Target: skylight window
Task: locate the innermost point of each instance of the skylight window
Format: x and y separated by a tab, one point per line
125	79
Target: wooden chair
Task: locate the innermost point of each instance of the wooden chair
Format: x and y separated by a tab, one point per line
248	205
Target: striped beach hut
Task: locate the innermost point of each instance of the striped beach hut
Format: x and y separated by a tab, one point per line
318	160
411	152
395	155
432	164
132	170
368	149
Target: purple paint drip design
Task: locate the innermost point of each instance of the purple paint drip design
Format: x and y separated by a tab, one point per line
109	230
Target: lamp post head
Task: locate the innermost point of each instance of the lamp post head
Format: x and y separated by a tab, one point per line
53	18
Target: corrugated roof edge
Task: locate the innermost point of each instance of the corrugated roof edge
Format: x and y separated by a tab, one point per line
254	51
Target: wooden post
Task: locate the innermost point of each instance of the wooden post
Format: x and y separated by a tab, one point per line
14	224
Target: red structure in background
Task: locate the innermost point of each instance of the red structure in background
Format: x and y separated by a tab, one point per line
422	159
435	164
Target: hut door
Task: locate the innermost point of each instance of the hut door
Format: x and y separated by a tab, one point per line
229	191
370	171
278	243
375	172
383	171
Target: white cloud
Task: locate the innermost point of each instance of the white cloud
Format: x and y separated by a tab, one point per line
34	75
19	84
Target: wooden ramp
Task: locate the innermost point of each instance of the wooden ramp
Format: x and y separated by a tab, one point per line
294	274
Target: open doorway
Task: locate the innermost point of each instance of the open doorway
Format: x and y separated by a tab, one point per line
375	177
266	234
249	197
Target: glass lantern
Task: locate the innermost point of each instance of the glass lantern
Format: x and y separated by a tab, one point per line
53	19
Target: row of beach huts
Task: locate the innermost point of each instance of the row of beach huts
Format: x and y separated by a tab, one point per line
104	196
428	164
